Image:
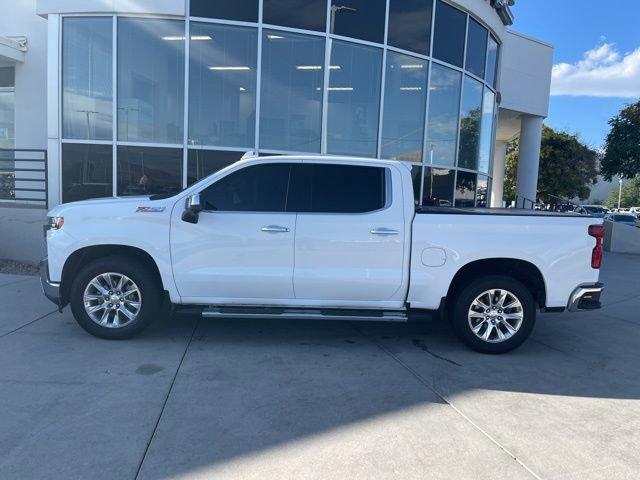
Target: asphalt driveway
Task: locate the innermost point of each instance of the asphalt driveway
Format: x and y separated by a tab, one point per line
239	399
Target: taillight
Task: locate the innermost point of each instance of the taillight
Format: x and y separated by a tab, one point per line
597	231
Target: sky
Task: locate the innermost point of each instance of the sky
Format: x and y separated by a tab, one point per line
597	59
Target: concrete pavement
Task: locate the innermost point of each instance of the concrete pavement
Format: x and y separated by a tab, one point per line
239	399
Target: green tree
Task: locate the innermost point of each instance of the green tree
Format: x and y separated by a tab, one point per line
568	167
622	146
630	195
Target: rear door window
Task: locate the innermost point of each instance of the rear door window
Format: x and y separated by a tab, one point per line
327	188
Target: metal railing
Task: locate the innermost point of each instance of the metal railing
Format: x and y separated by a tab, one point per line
23	176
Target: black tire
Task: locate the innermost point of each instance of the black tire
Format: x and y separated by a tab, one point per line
466	297
138	272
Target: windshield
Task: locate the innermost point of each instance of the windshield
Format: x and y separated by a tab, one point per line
594	209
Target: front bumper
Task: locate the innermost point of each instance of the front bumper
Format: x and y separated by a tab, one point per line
50	289
586	297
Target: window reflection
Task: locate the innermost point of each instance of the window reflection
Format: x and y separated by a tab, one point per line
354	99
470	124
149	170
444	108
86	171
222	85
150	80
476	48
482	191
404	107
410	25
465	189
363	19
437	190
486	130
87	81
201	163
243	10
305	14
492	61
292	79
449	34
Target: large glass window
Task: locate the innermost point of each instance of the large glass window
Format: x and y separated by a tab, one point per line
363	19
470	124
222	85
292	79
201	163
337	189
149	170
410	25
449	34
7	107
87	80
492	61
482	191
476	48
404	107
243	10
465	189
438	187
444	108
150	80
354	99
259	188
486	130
305	14
87	171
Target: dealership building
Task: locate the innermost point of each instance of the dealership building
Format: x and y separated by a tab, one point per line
130	97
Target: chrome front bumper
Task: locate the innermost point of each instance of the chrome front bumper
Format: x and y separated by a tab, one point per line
586	297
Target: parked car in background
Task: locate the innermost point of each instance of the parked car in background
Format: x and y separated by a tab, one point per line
625	218
315	237
597	211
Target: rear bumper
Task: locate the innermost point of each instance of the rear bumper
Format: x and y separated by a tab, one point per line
586	297
50	289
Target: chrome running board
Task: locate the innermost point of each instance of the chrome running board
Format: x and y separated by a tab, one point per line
307	313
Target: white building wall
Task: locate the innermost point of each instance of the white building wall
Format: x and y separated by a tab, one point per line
31	76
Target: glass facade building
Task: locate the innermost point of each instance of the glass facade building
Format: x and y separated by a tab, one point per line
152	104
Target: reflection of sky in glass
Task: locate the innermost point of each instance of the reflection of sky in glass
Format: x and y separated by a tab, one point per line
150	80
470	123
354	99
492	61
404	105
87	78
486	131
7	118
444	104
222	85
291	98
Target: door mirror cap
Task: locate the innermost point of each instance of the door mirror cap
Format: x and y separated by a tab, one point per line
192	208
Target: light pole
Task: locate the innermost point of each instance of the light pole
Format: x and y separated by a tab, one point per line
620	192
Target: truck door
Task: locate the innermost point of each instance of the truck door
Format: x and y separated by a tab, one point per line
350	232
241	249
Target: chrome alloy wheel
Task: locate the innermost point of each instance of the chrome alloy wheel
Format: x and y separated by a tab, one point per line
112	300
495	315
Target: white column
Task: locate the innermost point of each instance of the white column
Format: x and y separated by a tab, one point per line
497	183
53	110
528	159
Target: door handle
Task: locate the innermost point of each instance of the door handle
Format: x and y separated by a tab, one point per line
384	231
274	229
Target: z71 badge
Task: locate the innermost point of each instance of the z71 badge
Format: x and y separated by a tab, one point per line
150	209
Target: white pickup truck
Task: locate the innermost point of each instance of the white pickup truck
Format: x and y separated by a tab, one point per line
318	237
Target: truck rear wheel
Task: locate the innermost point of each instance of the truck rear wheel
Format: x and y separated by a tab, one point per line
115	297
494	314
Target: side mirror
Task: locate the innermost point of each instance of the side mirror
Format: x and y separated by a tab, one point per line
192	209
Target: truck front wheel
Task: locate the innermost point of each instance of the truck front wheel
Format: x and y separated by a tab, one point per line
494	314
115	297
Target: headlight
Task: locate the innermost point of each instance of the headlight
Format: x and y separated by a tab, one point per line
54	223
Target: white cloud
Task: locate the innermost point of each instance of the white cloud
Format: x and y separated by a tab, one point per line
602	72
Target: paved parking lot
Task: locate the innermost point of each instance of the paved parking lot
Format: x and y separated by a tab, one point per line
329	400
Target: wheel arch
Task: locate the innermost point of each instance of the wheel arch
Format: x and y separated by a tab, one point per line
522	270
82	256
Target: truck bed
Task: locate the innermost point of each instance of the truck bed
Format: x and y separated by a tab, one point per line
511	212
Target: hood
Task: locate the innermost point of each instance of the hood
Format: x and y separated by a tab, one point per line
120	203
